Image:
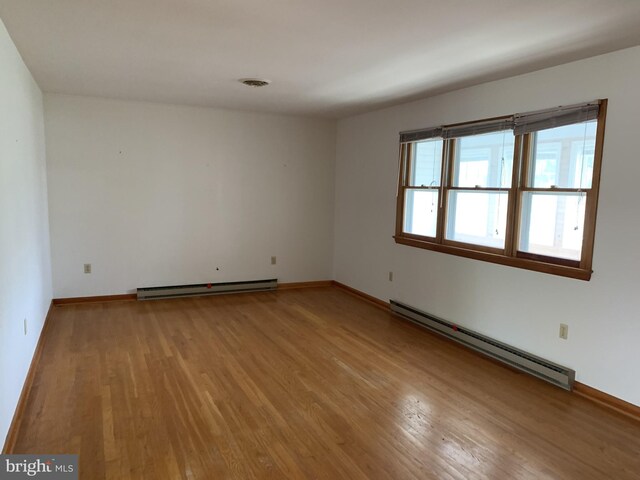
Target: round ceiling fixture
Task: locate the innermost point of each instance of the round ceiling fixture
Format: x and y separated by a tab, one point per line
254	82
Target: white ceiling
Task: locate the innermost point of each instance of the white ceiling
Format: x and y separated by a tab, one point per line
327	58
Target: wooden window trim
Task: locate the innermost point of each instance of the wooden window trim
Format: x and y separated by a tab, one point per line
517	262
510	255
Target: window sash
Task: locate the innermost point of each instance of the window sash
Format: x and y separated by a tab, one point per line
451	217
412	167
525	214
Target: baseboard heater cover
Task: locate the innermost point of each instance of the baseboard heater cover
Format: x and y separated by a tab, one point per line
539	367
153	293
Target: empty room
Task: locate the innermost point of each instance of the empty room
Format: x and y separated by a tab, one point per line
319	240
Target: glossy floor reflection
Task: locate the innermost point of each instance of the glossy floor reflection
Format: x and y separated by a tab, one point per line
302	384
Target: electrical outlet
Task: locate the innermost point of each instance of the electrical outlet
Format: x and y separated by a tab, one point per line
564	331
273	260
87	268
25	326
391	276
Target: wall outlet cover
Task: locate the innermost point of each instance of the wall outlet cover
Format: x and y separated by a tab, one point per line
564	331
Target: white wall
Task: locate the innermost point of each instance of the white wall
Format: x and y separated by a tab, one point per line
154	194
520	307
25	264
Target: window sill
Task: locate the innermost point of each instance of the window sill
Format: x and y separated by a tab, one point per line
527	264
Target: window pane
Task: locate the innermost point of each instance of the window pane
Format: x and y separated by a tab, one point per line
479	218
553	224
421	212
563	156
427	163
484	160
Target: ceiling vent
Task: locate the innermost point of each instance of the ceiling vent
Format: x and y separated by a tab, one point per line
254	82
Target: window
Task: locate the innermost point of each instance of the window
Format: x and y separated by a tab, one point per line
520	190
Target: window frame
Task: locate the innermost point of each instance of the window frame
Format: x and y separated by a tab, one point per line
510	255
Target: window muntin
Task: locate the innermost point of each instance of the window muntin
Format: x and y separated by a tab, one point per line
525	196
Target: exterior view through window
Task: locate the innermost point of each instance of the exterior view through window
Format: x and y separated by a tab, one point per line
520	190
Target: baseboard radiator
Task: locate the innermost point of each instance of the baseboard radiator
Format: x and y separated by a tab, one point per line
153	293
539	367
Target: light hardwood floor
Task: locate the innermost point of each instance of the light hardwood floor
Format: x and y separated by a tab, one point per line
308	384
